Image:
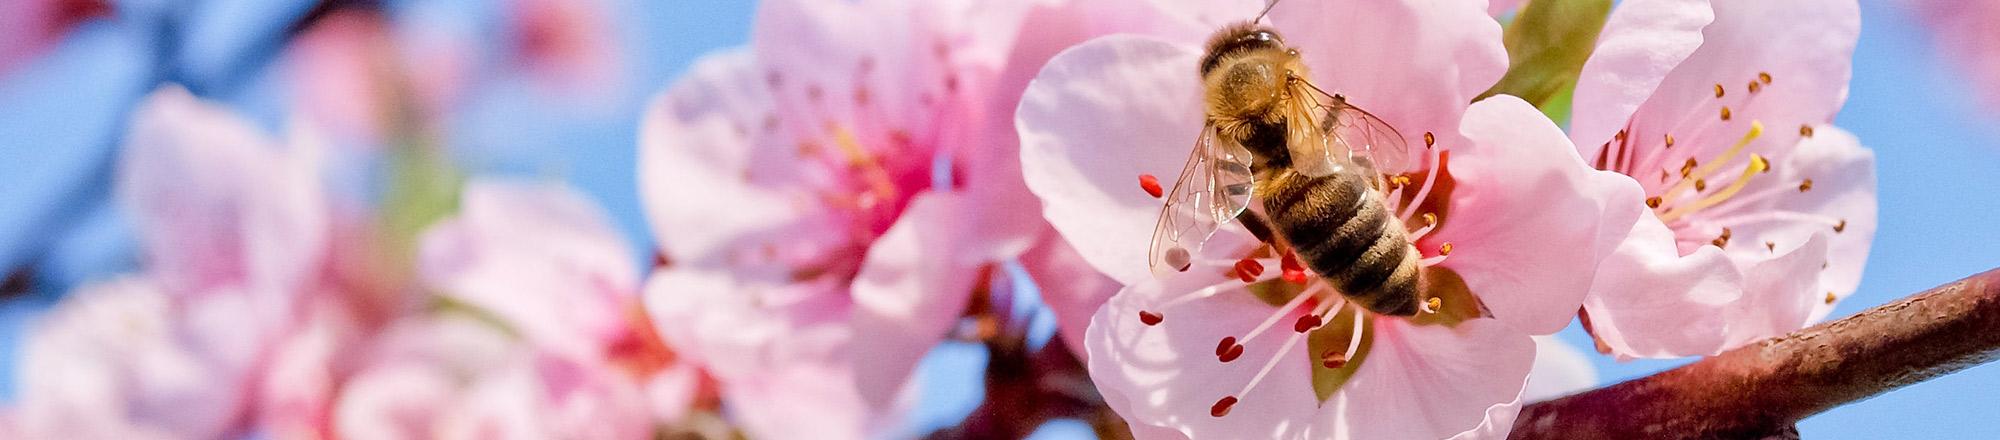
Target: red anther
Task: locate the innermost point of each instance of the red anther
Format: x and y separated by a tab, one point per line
1306	323
1248	270
1150	318
1228	350
1333	360
1222	406
1290	262
1295	276
1151	185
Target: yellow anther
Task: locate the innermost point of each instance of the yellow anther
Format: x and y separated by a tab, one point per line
1756	87
1805	186
1831	298
1805	130
1430	219
1691	174
1433	304
1725	113
1670	141
1718	90
1429	139
1653	202
1446	249
1764	76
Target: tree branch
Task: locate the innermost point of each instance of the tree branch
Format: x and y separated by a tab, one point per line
1761	390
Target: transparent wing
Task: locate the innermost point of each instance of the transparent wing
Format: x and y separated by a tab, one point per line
1212	189
1336	134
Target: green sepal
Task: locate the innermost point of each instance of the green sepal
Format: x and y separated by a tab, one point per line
1547	44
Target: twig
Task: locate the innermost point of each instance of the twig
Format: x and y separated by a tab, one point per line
1761	390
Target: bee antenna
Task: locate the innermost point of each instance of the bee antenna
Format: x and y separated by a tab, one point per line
1267	10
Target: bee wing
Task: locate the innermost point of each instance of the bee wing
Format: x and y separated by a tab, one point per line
1336	134
1212	189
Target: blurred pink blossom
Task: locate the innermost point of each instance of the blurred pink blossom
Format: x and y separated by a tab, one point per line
1966	36
232	228
828	198
1762	211
567	45
32	26
356	78
1114	108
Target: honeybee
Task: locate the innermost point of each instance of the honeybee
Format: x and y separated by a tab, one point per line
1315	161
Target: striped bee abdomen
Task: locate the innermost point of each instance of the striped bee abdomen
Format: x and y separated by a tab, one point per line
1343	232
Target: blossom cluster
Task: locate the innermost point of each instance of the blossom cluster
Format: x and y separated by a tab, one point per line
868	179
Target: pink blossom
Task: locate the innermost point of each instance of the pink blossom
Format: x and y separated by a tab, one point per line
355	77
457	376
797	189
546	261
1118	107
126	359
566	44
1762	211
232	228
1964	34
32	26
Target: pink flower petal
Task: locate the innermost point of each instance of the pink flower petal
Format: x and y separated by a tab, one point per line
217	203
1776	298
1170	376
1086	169
1648	300
1642	41
1072	289
1847	193
1522	194
543	258
1560	370
697	150
911	290
1432	382
1413	63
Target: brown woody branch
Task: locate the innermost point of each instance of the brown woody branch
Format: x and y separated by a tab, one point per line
1761	390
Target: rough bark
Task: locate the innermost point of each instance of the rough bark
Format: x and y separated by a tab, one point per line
1761	390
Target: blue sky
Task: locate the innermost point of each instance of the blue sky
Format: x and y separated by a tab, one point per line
1934	150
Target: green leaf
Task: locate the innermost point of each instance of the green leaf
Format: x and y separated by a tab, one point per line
1547	43
423	188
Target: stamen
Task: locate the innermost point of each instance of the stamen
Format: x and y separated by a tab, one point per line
1700	185
1431	305
1291	269
1282	311
1771	246
1841	227
1805	185
1757	165
1718	90
1764	77
1430	178
1333	360
1670	140
1228	349
1690	171
1722	241
1354	340
1151	185
1221	407
1430	140
1830	298
1805	130
1725	113
1290	342
1150	318
1306	323
1756	87
1444	250
1248	269
1652	202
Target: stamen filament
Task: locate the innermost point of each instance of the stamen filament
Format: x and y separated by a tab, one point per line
1284	349
1430	177
1354	340
1702	171
1757	165
1284	310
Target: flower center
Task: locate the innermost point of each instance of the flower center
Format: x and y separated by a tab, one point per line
1686	194
1315	310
